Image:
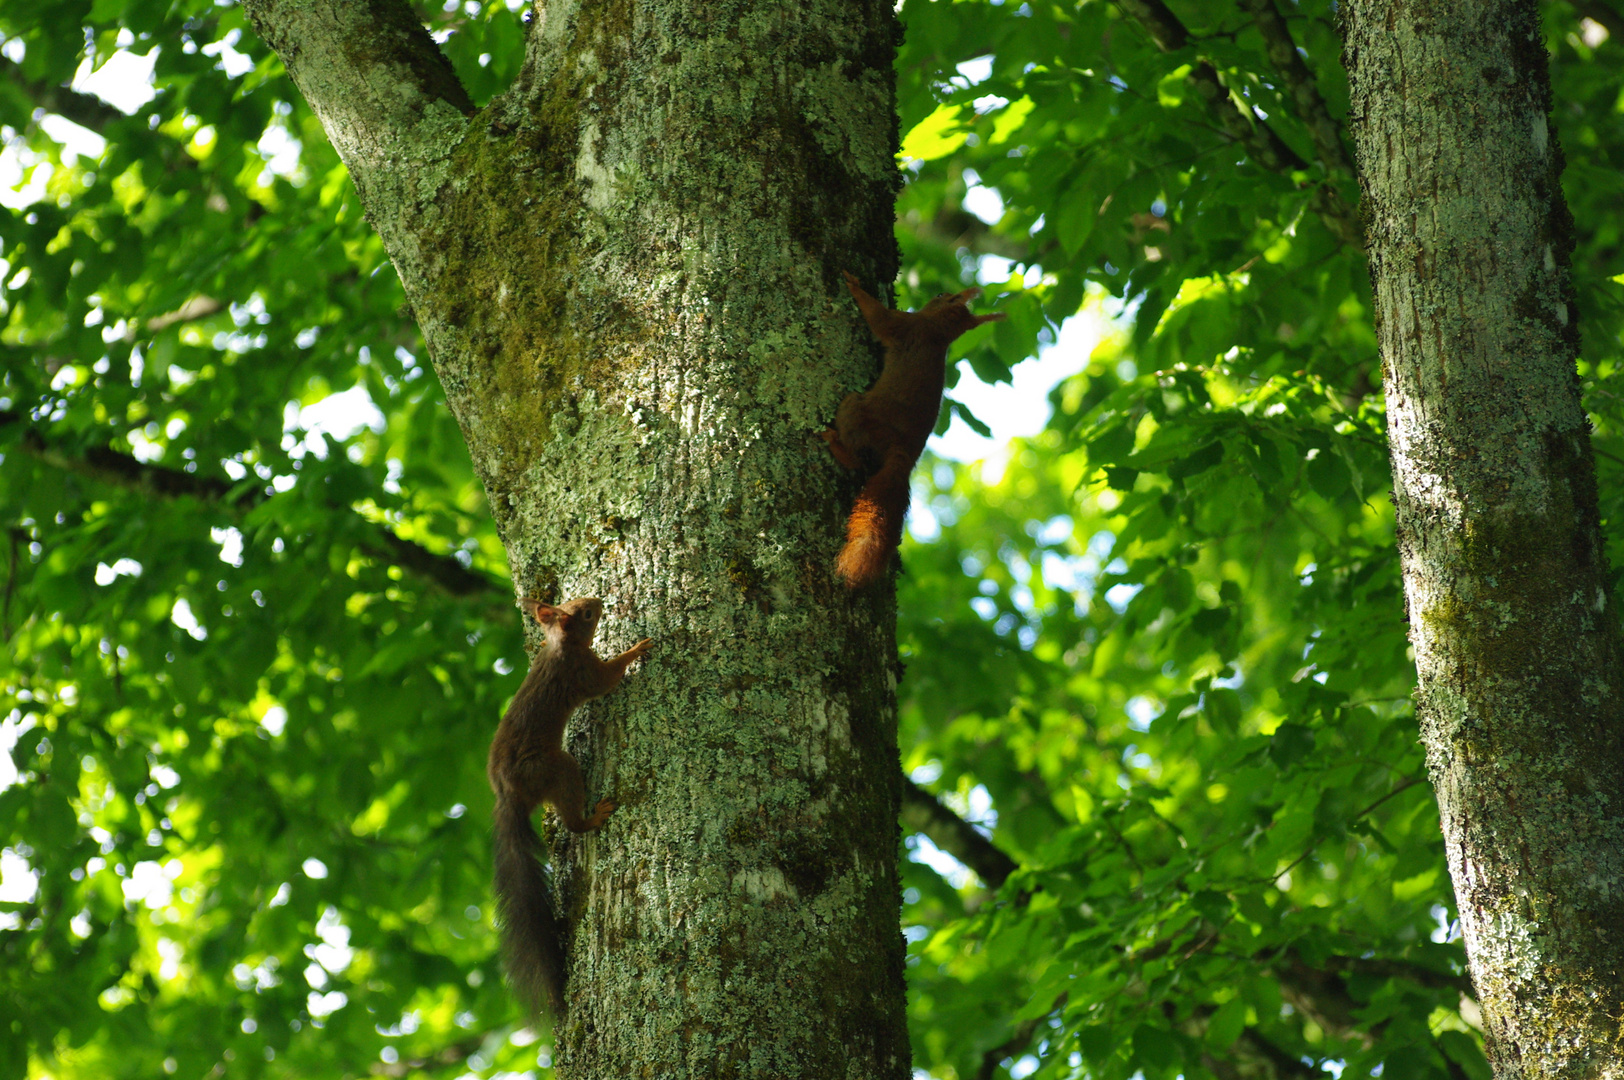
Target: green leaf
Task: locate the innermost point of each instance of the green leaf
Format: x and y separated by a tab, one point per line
1010	119
1223	709
936	136
1170	90
1155	1048
1290	744
1198	462
1226	1024
1097	1042
1464	1051
1328	474
1120	478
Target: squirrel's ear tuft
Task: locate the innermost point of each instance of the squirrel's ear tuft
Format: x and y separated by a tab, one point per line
545	614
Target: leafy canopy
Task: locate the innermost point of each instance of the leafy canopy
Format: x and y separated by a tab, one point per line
1158	654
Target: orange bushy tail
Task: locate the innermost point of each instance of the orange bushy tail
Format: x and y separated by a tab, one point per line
531	940
875	527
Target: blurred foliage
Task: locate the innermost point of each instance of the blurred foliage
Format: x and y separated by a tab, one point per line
1157	652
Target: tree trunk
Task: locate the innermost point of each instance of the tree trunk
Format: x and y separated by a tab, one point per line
1505	577
627	272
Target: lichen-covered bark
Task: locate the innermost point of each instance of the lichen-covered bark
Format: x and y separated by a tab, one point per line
1514	627
626	270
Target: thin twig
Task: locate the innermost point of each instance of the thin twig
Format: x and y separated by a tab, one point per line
108	466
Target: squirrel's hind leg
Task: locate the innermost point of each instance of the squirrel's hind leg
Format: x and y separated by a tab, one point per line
838	449
569	798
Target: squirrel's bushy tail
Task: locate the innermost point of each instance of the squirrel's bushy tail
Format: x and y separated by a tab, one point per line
532	944
875	527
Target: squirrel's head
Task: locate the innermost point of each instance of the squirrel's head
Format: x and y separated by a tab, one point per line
574	618
949	313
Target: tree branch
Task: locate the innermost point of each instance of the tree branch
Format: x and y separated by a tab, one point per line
108	466
381	87
1238	121
454	1054
1283	1063
953	228
398	117
1311	109
1015	1043
1378	967
17	537
1318	989
1162	25
86	110
198	307
443	570
923	812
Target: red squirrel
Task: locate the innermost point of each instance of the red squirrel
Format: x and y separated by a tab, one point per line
529	766
883	431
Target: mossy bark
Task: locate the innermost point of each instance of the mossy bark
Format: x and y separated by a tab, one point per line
1514	627
627	272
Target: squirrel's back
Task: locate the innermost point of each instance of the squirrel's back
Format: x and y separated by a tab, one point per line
886	428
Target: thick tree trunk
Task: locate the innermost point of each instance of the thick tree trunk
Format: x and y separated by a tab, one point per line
626	270
1514	627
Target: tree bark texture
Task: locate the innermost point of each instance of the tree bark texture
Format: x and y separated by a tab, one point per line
1511	616
626	269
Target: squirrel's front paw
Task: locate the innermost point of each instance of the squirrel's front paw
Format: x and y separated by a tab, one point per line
600	814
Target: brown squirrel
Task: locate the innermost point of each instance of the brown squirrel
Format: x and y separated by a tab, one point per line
528	766
883	431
